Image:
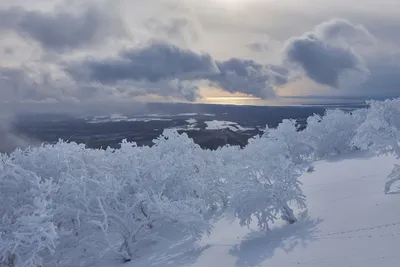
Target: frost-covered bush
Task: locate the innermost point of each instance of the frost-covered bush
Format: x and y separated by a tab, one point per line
324	136
332	134
221	171
27	231
70	168
392	178
65	205
380	132
186	169
288	135
118	199
266	184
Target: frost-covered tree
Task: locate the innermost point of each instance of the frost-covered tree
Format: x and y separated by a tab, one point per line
159	186
219	171
380	132
27	232
190	169
65	165
392	178
266	184
68	206
333	133
118	199
288	135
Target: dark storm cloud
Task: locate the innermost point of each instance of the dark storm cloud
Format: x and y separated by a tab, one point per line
161	62
27	85
60	30
249	77
321	62
153	63
35	84
326	53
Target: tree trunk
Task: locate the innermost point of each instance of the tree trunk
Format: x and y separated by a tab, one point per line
288	214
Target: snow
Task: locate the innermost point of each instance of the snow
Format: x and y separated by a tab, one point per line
191	121
116	117
233	126
194	115
123	118
188	114
190	126
350	222
143	203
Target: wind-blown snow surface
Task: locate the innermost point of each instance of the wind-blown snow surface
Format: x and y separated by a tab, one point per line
350	222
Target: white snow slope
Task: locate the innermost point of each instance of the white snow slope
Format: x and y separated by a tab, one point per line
350	222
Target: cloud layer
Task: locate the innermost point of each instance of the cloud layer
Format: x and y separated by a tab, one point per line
326	53
170	50
163	64
61	30
152	63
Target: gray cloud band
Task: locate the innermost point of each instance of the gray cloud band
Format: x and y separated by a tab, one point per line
61	30
163	62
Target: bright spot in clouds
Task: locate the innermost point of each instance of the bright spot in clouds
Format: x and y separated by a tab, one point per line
229	4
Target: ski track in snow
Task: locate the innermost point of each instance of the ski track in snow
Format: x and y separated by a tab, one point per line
350	222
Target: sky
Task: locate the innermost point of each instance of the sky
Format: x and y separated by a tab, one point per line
113	51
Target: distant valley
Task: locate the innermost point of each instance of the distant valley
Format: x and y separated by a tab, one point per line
210	126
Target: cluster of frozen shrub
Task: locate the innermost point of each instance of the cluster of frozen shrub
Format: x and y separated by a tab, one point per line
65	205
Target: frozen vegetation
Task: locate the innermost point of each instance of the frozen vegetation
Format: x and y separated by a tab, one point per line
66	205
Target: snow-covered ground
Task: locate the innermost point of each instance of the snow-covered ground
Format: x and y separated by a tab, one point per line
123	118
191	121
192	125
350	222
150	117
233	126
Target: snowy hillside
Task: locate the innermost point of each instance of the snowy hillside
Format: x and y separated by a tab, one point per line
349	223
319	196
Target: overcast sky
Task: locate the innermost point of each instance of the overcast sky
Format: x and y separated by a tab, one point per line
76	51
